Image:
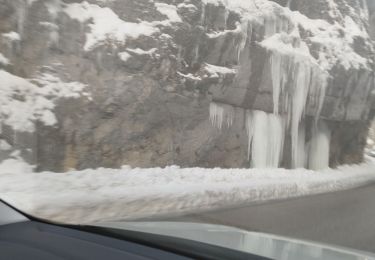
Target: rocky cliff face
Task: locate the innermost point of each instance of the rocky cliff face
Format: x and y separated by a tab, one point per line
195	83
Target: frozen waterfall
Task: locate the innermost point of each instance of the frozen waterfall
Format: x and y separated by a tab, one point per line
298	86
303	75
296	82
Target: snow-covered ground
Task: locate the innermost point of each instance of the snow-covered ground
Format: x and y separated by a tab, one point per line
109	194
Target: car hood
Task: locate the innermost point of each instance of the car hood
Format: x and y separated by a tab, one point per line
271	246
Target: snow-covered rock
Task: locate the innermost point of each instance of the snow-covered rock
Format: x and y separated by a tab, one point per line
159	71
23	103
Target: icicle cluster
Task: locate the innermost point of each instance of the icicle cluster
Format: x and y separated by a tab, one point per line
299	82
266	137
296	81
221	114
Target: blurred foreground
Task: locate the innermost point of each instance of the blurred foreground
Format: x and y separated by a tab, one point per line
117	194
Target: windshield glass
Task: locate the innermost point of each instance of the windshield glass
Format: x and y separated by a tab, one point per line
213	111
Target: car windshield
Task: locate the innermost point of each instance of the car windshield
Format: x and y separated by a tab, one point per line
254	114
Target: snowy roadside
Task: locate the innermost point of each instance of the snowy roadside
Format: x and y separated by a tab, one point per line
109	194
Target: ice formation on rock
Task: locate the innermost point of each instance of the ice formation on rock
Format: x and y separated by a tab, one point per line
221	115
319	147
245	30
266	138
299	81
301	155
296	81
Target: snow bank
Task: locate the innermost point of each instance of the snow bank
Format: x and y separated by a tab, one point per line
108	194
15	166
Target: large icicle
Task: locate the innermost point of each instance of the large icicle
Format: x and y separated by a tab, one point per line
302	72
245	27
319	147
250	128
266	138
278	79
300	161
318	91
258	122
276	135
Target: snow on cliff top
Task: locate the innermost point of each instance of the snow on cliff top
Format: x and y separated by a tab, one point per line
106	25
110	194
